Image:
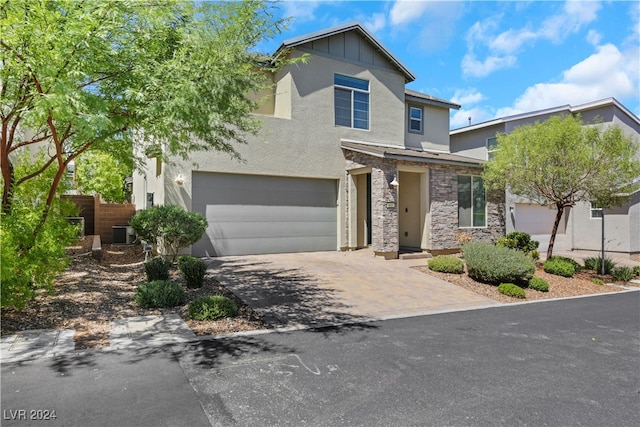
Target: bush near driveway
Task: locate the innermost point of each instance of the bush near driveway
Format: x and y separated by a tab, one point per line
493	264
539	284
160	294
446	264
623	274
522	242
212	307
193	269
595	264
511	290
157	269
559	267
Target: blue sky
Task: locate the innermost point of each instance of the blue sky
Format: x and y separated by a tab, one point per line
497	58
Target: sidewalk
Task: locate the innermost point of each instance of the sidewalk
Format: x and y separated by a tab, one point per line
131	332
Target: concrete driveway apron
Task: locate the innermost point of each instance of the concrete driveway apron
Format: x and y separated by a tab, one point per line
325	288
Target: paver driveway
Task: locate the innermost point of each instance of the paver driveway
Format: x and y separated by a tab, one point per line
319	288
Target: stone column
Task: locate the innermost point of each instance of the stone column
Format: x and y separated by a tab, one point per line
384	200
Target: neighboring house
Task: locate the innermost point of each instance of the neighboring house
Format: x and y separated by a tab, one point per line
580	228
346	158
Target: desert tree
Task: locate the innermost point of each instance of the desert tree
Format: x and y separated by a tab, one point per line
563	161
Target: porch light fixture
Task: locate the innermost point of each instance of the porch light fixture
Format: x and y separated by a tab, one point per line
179	179
394	183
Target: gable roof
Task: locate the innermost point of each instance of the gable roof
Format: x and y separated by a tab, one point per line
351	26
412	95
566	108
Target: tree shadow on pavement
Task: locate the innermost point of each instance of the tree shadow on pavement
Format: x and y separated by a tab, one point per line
283	297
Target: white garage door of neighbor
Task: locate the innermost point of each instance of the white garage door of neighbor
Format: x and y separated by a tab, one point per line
536	219
257	214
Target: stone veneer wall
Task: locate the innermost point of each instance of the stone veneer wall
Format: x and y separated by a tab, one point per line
384	221
444	209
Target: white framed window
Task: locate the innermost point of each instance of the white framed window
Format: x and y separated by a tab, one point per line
415	119
596	211
492	147
351	102
472	203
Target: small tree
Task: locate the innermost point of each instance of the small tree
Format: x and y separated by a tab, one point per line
168	228
100	173
561	162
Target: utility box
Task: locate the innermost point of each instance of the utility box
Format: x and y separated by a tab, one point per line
119	235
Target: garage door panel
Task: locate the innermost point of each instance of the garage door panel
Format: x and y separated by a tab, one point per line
249	214
536	219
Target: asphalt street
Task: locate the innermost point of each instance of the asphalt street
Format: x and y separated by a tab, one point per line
568	362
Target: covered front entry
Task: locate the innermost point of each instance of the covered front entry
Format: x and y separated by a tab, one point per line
258	214
413	208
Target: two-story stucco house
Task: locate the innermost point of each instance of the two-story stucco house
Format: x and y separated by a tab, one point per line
346	158
581	225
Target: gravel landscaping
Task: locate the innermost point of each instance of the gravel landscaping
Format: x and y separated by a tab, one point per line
90	294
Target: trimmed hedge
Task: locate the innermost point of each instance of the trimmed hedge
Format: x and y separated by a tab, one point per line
159	294
539	284
193	270
559	267
511	290
212	307
157	269
493	264
446	264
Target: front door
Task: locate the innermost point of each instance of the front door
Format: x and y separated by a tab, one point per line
409	210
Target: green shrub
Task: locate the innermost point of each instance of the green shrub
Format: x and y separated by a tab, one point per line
193	270
511	290
520	241
159	294
212	308
446	264
595	264
622	274
539	284
493	264
559	267
168	228
576	265
157	269
598	281
636	270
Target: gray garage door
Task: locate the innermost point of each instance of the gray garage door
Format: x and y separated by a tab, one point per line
255	214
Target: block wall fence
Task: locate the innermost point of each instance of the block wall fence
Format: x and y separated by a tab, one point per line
100	217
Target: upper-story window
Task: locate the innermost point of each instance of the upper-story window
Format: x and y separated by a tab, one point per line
492	147
351	98
415	119
595	209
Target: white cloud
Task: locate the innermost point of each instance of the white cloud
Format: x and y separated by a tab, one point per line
300	11
606	73
374	23
433	21
475	68
574	16
405	11
467	96
594	37
461	117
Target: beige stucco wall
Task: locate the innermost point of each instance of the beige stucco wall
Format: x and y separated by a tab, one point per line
435	134
307	144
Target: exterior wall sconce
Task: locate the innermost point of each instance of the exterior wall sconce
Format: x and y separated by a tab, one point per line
394	183
179	179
